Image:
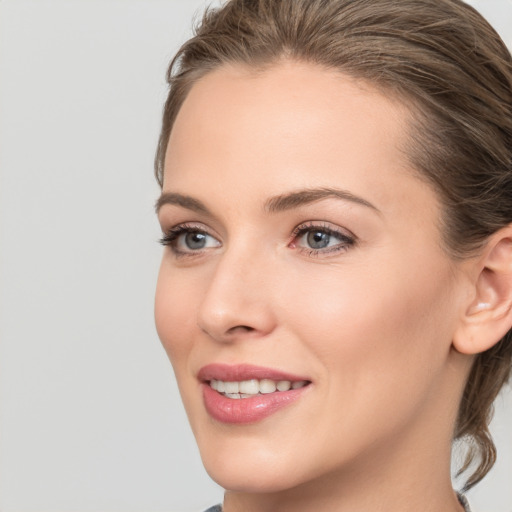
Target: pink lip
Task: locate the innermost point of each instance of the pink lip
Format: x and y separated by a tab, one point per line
245	410
240	372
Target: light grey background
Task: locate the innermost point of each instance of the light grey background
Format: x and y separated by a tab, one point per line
90	418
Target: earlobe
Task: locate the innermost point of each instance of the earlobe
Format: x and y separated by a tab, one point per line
488	317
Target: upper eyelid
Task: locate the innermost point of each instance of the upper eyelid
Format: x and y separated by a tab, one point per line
189	226
176	230
324	226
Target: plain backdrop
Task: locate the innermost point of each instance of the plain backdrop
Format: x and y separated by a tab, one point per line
90	417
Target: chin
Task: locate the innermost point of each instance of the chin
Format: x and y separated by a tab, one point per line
250	479
251	470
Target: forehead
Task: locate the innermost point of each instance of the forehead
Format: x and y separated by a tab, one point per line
289	125
285	93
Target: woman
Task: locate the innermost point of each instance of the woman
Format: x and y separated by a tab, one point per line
335	295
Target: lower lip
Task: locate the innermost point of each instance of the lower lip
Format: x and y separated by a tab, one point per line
247	410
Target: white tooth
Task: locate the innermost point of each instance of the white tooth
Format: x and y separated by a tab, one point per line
267	386
249	387
231	387
221	386
233	395
284	385
299	384
244	395
213	384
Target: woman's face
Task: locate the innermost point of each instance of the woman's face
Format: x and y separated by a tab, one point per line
302	251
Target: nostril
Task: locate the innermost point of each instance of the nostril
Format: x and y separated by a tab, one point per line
224	317
238	328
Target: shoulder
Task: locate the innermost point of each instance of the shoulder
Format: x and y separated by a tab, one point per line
463	502
215	508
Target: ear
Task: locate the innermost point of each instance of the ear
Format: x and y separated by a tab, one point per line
488	316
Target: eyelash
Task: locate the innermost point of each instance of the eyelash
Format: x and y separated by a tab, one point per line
171	237
346	240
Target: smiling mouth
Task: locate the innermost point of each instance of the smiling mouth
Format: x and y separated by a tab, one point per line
243	394
254	387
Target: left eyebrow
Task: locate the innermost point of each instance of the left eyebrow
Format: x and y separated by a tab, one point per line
190	203
307	196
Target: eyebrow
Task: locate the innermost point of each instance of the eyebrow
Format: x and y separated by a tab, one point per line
181	200
274	204
306	196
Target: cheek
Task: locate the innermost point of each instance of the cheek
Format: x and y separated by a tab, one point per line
174	318
376	326
372	334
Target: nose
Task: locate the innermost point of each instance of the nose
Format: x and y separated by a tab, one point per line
239	298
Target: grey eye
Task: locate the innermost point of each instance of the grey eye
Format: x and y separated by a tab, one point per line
195	240
184	240
318	239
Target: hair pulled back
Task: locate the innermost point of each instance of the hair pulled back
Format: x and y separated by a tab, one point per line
443	60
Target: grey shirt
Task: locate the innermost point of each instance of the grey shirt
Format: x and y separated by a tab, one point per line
462	499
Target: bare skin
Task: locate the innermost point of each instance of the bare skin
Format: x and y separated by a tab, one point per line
369	318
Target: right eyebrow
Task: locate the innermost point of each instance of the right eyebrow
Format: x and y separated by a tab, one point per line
299	198
181	200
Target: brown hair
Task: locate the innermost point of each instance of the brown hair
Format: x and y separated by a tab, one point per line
449	66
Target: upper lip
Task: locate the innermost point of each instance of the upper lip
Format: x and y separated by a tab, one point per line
241	372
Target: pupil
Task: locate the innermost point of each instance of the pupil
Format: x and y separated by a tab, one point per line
318	239
195	240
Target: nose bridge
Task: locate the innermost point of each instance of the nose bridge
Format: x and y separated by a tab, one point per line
238	298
